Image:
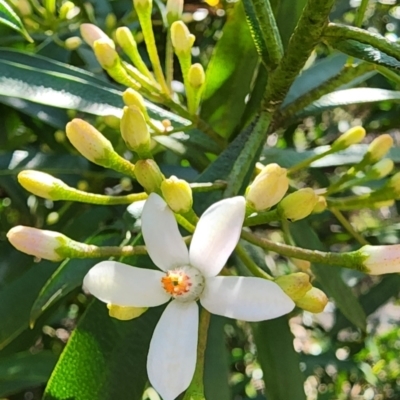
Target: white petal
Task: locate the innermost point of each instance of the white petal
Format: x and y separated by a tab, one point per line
173	349
123	285
245	298
160	232
216	235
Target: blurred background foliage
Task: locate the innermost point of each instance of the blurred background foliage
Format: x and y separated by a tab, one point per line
40	90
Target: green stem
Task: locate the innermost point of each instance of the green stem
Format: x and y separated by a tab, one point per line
347	225
208	187
148	84
346	260
169	60
262	218
182	221
91	198
306	163
250	264
118	163
363	201
83	250
196	389
361	13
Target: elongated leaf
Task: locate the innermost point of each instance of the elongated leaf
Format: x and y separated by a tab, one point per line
279	361
229	75
25	370
10	18
329	278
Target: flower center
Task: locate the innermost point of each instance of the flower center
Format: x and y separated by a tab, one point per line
184	283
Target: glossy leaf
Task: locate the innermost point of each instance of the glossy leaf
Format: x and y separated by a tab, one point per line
10	18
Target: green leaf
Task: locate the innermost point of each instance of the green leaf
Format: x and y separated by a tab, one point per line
329	278
25	370
229	75
105	359
10	18
279	361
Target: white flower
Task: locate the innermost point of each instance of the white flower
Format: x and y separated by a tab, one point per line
187	276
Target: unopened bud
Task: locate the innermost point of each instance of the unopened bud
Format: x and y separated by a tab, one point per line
24	7
105	53
110	21
196	76
149	175
313	301
302	265
124	313
125	38
394	183
320	206
182	39
143	5
352	136
38	243
66	10
91	33
381	169
380	260
178	194
112	121
89	141
134	130
133	98
294	285
298	205
379	147
174	11
73	43
268	188
42	184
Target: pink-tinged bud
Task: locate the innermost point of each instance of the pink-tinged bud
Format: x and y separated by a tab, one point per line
298	205
268	188
90	33
380	260
352	136
294	285
379	147
37	242
42	184
89	141
125	313
313	301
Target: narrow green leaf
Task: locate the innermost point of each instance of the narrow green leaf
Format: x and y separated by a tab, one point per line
229	75
329	278
10	18
25	370
279	361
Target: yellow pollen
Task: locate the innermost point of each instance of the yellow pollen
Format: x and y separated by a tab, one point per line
176	283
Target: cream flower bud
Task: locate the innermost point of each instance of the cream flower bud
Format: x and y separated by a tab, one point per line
73	43
268	188
380	260
381	169
320	206
302	265
90	33
133	98
125	38
42	184
37	242
174	10
67	10
125	313
105	53
134	130
298	205
142	5
196	76
294	285
313	301
394	183
379	147
24	7
352	136
149	175
178	194
182	39
89	141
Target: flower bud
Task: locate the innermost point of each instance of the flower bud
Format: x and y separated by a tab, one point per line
124	313
320	206
352	136
42	184
298	205
302	265
143	5
134	130
73	43
385	203
381	169
182	39
110	21
133	98
380	260
196	76
268	188
394	183
37	242
89	141
91	33
24	7
112	121
313	301
294	285
66	10
149	175
174	10
106	55
125	38
379	147
178	194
